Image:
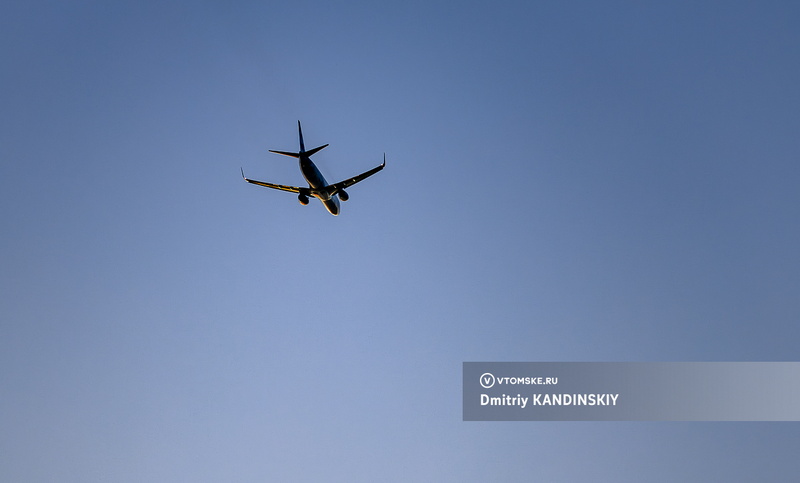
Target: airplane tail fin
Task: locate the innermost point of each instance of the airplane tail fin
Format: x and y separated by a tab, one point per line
302	146
300	130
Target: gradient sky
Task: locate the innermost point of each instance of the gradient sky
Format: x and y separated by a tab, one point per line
565	181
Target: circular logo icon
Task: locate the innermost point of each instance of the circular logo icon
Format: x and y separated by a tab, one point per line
487	380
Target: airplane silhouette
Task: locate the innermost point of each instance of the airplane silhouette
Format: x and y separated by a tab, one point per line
328	194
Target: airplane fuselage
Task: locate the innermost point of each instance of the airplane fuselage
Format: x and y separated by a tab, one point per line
315	179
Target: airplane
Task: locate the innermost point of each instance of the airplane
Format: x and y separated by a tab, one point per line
328	194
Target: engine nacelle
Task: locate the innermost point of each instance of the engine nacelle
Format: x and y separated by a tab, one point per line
343	195
303	199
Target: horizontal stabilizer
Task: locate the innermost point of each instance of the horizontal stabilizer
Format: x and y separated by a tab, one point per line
286	153
309	153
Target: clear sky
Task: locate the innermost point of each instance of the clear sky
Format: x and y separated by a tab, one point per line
565	181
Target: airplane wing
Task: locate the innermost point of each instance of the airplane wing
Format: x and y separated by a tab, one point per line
355	179
282	187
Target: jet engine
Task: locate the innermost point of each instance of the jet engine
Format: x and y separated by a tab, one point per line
343	195
303	199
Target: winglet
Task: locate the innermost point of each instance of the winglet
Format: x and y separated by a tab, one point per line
243	176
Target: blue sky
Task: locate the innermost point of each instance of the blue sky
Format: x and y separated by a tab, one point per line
565	181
